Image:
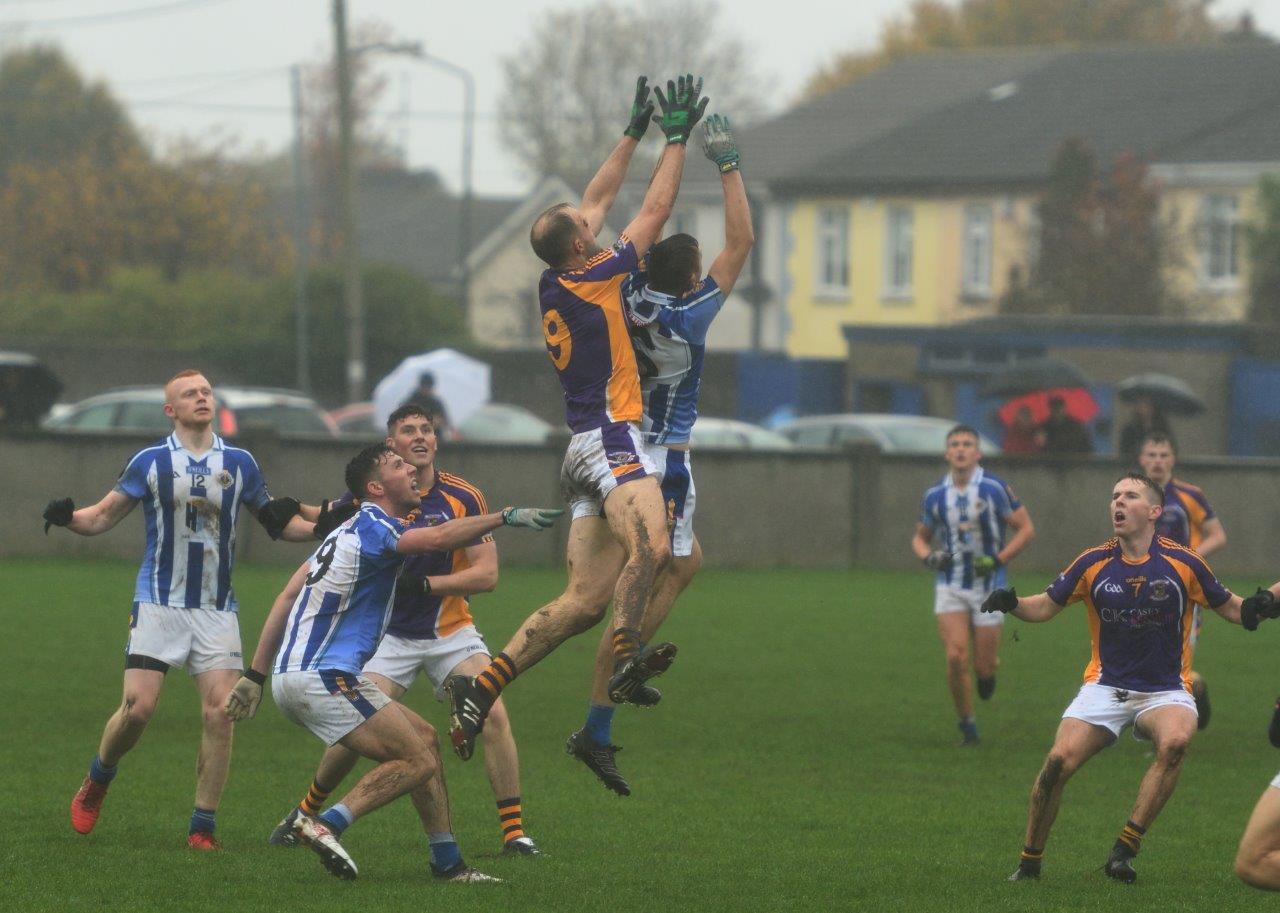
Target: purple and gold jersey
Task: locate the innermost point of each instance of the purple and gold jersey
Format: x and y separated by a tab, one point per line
587	338
1140	612
1185	510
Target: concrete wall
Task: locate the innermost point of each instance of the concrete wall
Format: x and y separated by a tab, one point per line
755	510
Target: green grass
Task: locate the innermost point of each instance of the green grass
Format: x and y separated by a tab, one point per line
803	758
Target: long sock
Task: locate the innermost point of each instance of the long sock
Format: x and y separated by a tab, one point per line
626	644
315	798
500	672
1031	858
444	851
202	820
509	817
600	723
101	773
1131	838
338	818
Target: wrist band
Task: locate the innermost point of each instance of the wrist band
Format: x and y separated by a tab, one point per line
727	167
255	676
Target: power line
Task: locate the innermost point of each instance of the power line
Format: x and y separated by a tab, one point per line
285	109
193	77
139	12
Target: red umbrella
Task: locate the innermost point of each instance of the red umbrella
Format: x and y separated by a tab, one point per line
1080	404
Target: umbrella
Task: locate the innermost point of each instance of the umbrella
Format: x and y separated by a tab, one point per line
1171	394
1078	401
27	389
461	382
1033	374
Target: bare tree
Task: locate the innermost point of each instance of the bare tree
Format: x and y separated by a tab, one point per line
569	87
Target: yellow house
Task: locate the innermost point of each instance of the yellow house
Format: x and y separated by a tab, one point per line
923	222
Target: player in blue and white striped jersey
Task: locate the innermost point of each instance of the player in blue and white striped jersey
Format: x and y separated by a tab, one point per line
970	511
191	486
325	626
670	305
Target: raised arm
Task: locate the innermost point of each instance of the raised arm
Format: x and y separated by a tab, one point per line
457	533
719	145
598	198
242	703
1039	607
89	521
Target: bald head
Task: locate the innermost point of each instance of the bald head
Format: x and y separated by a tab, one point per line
553	234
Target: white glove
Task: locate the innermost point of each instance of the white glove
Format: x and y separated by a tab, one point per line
242	703
531	517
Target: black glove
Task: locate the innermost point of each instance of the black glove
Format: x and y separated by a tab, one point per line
276	514
1273	731
939	561
58	513
1260	605
332	516
1001	600
682	107
641	110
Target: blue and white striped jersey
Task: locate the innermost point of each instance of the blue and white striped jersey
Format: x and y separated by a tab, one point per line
339	618
971	521
191	505
669	334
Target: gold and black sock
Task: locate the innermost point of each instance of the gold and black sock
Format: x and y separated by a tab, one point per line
626	644
500	672
1030	859
1131	838
509	818
315	798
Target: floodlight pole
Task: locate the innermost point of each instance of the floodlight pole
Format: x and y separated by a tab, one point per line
353	292
301	241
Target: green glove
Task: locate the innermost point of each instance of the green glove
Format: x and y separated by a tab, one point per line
985	565
641	110
531	517
718	143
682	107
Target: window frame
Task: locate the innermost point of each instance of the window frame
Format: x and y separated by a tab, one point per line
831	235
977	287
899	226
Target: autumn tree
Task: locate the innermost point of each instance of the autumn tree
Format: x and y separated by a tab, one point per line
569	87
933	24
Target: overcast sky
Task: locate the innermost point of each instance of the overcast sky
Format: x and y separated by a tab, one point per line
217	68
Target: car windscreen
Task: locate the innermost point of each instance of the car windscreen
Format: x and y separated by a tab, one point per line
281	418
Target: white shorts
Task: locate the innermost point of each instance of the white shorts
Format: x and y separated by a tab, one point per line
1116	708
1276	781
675	472
198	640
947	598
599	461
329	703
402	658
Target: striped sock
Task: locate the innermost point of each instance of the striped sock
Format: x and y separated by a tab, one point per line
202	820
626	644
338	819
500	672
1031	858
1131	837
509	818
315	798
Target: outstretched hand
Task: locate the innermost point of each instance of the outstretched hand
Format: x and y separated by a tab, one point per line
1001	600
58	513
682	108
719	145
531	517
1260	605
641	110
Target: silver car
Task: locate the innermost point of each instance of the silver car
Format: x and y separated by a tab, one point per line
891	433
140	410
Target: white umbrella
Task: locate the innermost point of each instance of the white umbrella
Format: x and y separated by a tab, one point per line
461	382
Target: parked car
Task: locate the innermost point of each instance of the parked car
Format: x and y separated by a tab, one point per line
503	423
891	433
710	433
140	409
355	419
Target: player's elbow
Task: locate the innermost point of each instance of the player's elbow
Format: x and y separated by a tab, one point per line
488	581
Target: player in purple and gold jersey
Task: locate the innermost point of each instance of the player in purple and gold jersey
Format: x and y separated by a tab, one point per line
1139	590
618	538
1189	520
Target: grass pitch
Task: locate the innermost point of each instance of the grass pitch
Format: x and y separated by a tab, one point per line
804	758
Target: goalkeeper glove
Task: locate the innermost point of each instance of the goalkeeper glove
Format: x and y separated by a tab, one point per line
1260	605
719	145
985	565
531	517
333	515
641	110
242	703
58	513
682	107
1003	601
939	561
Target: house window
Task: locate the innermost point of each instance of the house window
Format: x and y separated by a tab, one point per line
899	244
1220	240
977	250
833	252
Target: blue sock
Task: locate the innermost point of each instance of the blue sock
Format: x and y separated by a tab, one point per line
600	723
202	820
444	851
101	773
338	818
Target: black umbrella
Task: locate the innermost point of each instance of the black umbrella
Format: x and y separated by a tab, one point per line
1032	375
1170	394
27	389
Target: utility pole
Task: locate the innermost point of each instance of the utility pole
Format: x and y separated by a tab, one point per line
301	241
353	293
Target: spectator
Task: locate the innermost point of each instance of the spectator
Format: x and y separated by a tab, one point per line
1062	433
432	405
1147	419
1022	436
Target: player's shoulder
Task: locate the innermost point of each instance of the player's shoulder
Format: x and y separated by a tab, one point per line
1171	548
1103	551
1195	492
372	520
148	453
704	291
460	488
238	455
